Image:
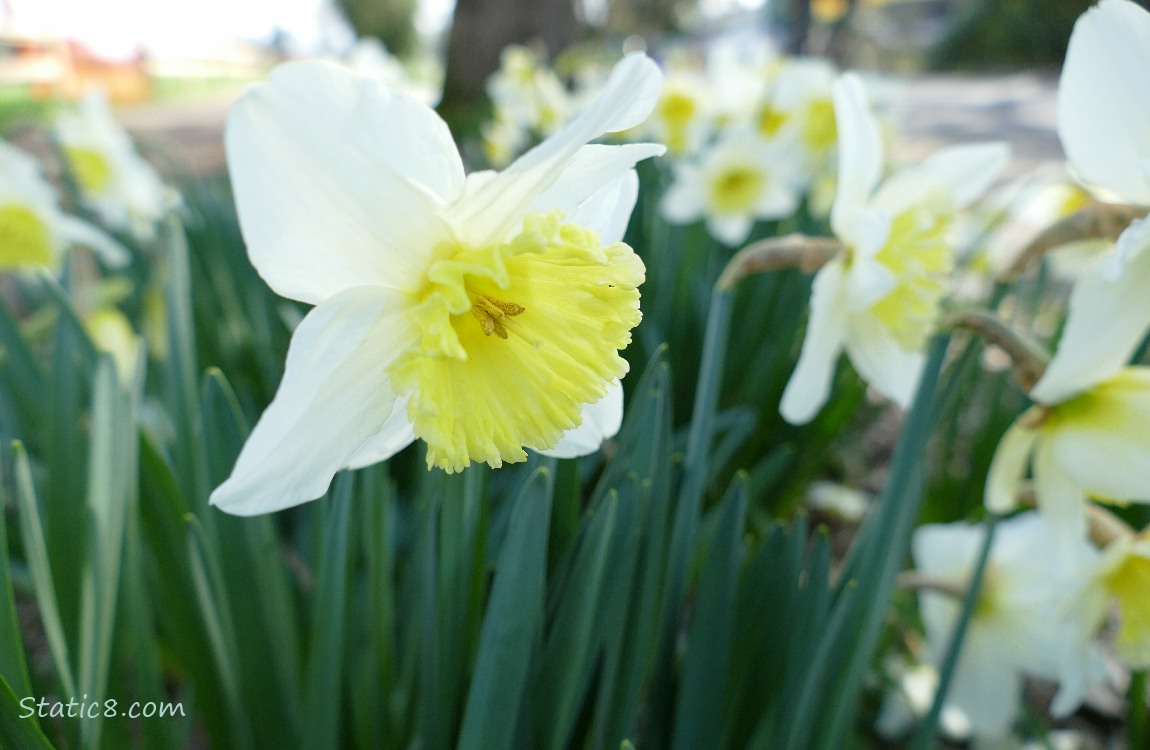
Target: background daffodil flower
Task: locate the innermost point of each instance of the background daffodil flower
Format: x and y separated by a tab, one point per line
1036	614
113	179
1087	434
879	300
34	232
480	313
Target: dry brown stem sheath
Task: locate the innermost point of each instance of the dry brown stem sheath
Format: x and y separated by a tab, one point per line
792	251
1097	220
1029	361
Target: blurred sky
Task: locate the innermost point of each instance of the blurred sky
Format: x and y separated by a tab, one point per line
117	29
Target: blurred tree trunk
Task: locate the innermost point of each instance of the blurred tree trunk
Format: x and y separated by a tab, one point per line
390	21
480	31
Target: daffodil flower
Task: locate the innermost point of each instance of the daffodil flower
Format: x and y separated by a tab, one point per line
740	179
1035	615
480	313
1124	574
1086	436
34	232
879	300
114	180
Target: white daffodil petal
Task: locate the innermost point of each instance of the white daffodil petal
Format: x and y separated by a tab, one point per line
682	203
867	282
396	434
1061	500
985	687
81	232
1107	319
1008	467
730	230
881	361
334	398
1104	99
338	180
958	174
608	210
591	168
810	383
491	213
1102	439
860	152
601	420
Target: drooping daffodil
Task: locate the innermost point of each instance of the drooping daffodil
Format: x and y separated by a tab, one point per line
117	183
1104	100
1086	436
880	298
738	180
1036	614
34	232
482	314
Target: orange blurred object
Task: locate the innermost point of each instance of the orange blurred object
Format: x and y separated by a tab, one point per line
65	69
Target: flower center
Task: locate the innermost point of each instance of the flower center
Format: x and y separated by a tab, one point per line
491	313
92	171
24	238
736	188
1128	583
820	130
515	339
920	259
677	108
771	120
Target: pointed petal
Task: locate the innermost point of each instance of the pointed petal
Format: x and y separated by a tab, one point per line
396	434
1107	320
810	383
491	213
601	420
1008	467
334	397
607	211
1104	99
1102	439
682	203
1061	500
881	361
81	232
961	173
730	230
592	169
337	181
860	152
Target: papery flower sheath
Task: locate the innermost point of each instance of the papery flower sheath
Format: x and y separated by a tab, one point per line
878	301
482	314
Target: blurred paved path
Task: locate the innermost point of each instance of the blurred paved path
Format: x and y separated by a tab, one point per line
1021	109
932	111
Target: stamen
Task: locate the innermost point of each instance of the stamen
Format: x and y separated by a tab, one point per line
490	311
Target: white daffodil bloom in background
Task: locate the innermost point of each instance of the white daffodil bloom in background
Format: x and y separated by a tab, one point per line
1124	574
34	232
1087	436
879	300
684	117
1035	615
740	179
114	180
482	313
800	108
